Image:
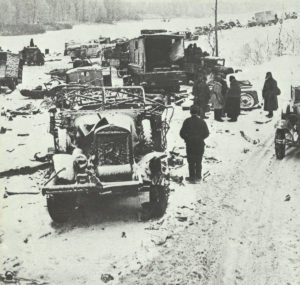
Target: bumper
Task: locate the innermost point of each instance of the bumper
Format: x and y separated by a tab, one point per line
101	189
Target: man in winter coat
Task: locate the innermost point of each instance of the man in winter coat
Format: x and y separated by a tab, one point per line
217	100
194	131
269	93
201	95
233	100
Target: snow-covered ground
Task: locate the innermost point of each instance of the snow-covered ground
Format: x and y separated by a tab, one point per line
233	228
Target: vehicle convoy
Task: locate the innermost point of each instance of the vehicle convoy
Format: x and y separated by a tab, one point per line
107	141
288	128
155	61
32	56
11	69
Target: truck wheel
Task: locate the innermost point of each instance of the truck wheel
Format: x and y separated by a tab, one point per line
158	197
60	207
120	73
279	145
247	101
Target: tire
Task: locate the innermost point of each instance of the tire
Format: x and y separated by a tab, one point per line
247	101
120	73
158	196
60	207
279	147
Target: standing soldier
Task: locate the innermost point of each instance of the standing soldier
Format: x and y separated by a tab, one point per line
201	95
269	93
233	100
194	131
217	100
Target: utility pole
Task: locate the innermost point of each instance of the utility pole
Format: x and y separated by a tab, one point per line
216	29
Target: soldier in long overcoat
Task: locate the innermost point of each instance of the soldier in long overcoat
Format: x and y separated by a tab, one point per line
233	100
217	100
270	92
201	95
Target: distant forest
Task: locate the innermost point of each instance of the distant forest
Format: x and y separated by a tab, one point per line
16	12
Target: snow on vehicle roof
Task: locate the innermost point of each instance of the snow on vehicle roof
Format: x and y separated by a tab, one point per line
121	120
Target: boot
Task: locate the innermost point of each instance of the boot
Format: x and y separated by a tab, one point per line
218	113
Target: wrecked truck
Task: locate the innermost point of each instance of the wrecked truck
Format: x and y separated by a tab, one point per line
155	62
108	141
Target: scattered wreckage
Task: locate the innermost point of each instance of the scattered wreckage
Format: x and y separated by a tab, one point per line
107	141
288	128
11	70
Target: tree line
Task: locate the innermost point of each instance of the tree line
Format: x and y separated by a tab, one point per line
17	12
48	11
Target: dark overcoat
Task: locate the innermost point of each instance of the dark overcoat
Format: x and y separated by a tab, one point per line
194	131
233	100
269	93
201	93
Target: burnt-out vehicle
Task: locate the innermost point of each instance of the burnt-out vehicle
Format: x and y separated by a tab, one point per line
83	76
155	61
107	141
288	128
32	56
91	75
11	69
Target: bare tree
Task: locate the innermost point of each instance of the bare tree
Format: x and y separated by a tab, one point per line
279	40
211	41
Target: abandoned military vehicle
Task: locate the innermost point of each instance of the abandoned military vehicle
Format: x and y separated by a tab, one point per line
107	140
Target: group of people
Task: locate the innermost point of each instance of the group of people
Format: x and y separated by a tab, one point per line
194	53
224	101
